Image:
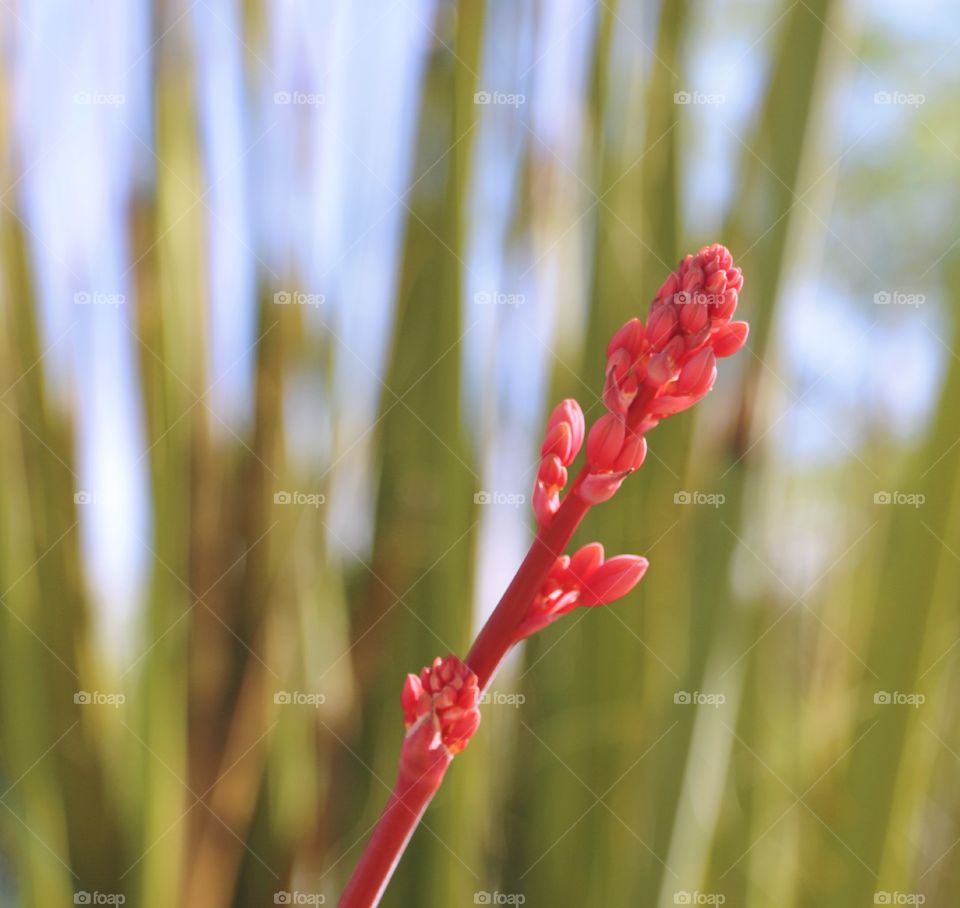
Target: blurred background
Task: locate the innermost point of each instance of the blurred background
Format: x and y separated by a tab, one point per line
287	290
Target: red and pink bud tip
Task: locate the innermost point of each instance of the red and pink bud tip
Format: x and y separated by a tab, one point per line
665	366
444	694
583	578
561	444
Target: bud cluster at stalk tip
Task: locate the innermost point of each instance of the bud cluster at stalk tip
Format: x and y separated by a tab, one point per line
447	692
664	366
561	444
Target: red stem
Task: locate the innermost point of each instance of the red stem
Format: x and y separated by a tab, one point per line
497	635
417	784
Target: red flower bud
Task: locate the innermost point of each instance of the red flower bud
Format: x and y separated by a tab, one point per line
613	579
629	337
698	374
661	325
730	338
604	442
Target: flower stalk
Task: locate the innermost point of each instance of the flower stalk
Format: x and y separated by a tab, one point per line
654	370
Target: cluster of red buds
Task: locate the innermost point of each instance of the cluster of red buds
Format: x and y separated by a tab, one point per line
583	578
445	695
653	370
665	366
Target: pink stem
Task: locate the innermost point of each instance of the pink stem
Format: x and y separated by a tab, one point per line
417	784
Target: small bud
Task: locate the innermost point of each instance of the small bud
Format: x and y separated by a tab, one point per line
585	561
698	374
620	386
568	412
629	337
730	338
716	283
632	454
670	286
605	441
559	443
663	365
600	487
693	315
661	326
613	579
545	504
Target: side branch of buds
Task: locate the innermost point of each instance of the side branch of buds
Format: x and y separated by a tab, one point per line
583	578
